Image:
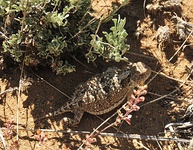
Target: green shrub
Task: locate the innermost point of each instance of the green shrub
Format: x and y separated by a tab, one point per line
114	47
49	31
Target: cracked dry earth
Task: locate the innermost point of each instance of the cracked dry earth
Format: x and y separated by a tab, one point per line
159	37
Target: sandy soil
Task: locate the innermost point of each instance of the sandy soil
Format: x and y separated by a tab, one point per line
158	49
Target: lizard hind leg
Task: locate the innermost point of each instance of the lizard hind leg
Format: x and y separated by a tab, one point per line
78	113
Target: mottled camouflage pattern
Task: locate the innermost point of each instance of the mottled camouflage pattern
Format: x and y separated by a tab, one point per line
103	92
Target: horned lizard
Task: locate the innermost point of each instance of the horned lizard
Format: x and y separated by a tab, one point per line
103	92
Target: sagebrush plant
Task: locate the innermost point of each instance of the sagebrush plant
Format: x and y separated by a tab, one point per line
49	31
114	47
45	32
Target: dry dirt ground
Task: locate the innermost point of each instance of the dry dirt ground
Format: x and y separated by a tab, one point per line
156	38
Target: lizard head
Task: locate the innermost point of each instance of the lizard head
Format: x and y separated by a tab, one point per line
139	73
135	73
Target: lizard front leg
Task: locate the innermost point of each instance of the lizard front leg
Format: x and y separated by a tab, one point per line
78	113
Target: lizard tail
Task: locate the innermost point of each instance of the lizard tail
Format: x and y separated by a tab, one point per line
61	110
